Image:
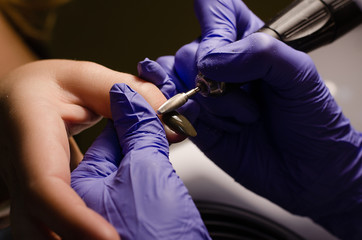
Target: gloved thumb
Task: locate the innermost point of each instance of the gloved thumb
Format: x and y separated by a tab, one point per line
223	22
185	63
151	71
238	105
100	161
136	123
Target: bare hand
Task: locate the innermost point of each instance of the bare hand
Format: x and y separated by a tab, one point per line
42	104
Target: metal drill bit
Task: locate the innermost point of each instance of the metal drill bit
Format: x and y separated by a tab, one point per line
177	101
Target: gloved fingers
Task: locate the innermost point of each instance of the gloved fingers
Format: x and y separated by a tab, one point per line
185	64
102	158
237	106
153	72
135	121
223	22
156	202
221	125
168	64
148	199
259	56
215	141
300	112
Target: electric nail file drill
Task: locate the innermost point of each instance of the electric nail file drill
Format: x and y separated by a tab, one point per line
304	25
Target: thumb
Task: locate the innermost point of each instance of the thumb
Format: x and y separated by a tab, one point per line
100	160
153	72
185	63
223	22
135	121
243	108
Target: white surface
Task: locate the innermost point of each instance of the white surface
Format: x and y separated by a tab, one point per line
205	181
340	65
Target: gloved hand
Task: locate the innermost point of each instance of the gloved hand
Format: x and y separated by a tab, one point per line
127	178
301	153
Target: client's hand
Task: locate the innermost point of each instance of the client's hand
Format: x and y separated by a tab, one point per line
126	176
42	104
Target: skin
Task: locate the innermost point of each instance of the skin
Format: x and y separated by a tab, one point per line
42	104
14	53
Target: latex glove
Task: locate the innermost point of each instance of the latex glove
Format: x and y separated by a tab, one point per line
210	13
302	153
164	73
136	189
220	18
42	104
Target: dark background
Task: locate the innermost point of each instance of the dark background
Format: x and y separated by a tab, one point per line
119	34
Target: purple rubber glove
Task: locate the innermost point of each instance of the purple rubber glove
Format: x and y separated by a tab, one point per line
209	13
219	19
173	77
302	153
126	176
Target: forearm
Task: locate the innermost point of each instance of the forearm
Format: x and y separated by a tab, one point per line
14	51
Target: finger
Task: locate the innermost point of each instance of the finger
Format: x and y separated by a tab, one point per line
157	198
223	22
76	154
93	82
237	106
185	64
43	172
43	176
61	209
100	161
299	105
151	71
168	64
260	56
